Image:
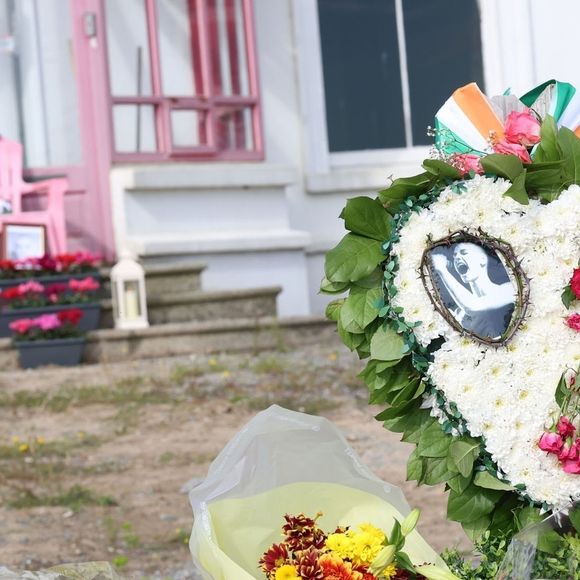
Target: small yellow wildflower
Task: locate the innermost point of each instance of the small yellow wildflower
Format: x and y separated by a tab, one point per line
40	440
212	362
15	439
332	356
23	447
226	374
286	572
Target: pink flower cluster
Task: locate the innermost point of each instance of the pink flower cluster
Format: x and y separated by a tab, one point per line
521	131
33	290
65	319
50	265
562	442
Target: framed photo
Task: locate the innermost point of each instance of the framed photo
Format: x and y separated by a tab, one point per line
21	241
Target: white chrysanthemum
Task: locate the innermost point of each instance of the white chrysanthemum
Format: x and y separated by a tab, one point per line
505	394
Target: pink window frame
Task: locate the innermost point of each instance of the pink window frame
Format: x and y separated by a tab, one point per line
209	102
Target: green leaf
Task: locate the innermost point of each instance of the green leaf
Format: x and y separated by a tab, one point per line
396	537
360	308
570	146
462	454
562	391
415	466
568	296
473	503
458	483
436	470
367	217
387	345
373	280
508	166
548	149
441	169
350	340
328	287
394	412
434	442
517	189
476	528
574	516
527	516
405	187
416	425
487	480
333	309
354	258
404	562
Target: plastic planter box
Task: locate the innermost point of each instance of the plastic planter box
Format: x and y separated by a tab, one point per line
63	352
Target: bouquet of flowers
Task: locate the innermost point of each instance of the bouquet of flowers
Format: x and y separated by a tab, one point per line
33	294
75	263
63	324
361	553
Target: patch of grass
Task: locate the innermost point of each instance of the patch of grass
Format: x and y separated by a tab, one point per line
75	498
268	365
180	373
120	561
126	419
131	539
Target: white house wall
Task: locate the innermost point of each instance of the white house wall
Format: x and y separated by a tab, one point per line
269	223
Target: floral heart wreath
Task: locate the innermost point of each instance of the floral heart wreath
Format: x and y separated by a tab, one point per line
462	286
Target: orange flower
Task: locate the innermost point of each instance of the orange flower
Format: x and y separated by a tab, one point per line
335	568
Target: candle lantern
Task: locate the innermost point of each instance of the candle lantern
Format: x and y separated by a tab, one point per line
128	292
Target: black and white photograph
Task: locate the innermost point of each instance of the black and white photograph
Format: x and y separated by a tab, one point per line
474	286
21	241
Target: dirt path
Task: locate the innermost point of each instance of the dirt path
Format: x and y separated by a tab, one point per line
92	459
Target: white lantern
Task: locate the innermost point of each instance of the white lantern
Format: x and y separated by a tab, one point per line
128	292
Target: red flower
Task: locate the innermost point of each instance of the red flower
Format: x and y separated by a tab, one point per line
7	265
565	428
551	442
47	263
275	557
466	162
86	285
55	288
575	283
573	321
11	293
71	317
569	453
22	325
523	128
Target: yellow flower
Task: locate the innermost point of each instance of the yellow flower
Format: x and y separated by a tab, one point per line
373	531
389	572
286	572
332	356
340	544
366	547
212	362
40	440
15	439
23	447
226	374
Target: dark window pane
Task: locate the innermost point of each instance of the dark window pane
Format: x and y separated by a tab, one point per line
443	53
362	80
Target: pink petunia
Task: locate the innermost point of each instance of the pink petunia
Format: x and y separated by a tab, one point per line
48	322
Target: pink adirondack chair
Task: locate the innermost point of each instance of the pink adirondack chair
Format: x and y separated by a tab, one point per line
13	189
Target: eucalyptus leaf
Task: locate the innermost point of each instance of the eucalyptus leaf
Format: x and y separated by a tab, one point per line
387	345
367	217
354	258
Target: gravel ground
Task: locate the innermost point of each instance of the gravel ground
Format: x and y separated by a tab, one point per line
92	459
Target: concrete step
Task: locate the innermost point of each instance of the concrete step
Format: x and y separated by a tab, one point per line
169	278
207	305
252	335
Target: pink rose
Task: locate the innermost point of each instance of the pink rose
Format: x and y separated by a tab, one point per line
48	321
551	442
466	162
22	325
569	452
573	321
506	148
565	428
571	466
522	128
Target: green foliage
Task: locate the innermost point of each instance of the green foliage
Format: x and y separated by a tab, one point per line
507	166
568	296
354	258
387	345
366	217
